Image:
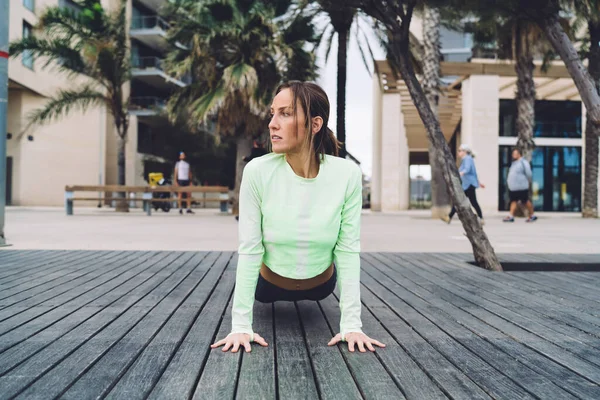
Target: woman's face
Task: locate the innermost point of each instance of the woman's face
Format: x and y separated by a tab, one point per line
461	153
287	129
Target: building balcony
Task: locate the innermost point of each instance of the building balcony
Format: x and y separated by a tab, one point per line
151	31
150	71
146	106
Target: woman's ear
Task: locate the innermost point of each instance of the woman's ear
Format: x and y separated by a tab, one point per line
317	124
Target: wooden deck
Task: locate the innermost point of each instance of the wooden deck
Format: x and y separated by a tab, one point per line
137	325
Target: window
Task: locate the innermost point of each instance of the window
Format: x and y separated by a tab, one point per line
29	4
27	56
553	119
556	179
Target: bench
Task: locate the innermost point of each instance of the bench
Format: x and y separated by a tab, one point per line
110	194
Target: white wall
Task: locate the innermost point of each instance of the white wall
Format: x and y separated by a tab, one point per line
480	130
377	135
394	156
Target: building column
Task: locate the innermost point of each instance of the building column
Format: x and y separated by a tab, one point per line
394	156
480	130
376	163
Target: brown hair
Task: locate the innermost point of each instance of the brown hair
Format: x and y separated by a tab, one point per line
313	100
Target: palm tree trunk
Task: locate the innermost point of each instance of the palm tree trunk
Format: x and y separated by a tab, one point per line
525	96
121	205
342	70
243	148
482	249
592	132
431	86
568	53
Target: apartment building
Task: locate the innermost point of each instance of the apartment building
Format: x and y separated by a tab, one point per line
81	148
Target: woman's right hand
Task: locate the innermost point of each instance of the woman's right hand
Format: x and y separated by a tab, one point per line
239	339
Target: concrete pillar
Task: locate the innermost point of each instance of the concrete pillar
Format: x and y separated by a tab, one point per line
376	163
480	130
394	156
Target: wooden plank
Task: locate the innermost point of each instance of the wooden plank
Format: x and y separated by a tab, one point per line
523	376
75	363
36	287
544	301
490	379
453	382
220	375
406	373
26	269
185	368
109	320
294	367
149	365
90	318
333	377
14	316
163	324
257	378
371	376
450	314
582	367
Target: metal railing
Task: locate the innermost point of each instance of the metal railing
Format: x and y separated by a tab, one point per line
149	22
147	62
147	103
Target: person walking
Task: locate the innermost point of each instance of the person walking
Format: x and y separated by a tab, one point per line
299	229
470	182
518	181
183	177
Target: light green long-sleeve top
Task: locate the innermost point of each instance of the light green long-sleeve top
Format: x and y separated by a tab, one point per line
297	227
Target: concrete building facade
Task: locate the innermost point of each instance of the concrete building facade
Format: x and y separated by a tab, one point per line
81	148
478	108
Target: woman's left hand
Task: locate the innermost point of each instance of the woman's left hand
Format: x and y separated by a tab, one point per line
482	185
356	338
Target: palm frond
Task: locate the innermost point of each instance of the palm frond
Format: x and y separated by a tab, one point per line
66	100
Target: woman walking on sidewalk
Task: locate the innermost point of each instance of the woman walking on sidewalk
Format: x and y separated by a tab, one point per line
468	176
299	230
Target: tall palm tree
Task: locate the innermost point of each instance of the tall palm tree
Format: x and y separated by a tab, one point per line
88	41
344	19
238	52
431	86
588	13
515	36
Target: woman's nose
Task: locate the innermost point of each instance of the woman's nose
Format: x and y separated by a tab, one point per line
273	123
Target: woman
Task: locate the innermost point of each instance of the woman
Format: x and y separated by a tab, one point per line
468	176
299	226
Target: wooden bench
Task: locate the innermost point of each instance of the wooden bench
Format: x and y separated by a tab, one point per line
109	193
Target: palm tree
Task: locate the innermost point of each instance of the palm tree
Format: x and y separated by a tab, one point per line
90	42
431	86
396	17
515	36
238	52
588	13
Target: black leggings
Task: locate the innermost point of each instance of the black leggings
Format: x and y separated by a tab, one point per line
470	192
266	292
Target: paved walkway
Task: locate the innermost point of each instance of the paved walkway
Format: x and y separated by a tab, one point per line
137	325
413	231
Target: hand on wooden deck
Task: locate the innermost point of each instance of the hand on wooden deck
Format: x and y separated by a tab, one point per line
239	339
356	338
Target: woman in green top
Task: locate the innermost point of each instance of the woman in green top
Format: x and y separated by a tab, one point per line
299	231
